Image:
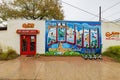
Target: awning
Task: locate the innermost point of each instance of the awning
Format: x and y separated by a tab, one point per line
27	32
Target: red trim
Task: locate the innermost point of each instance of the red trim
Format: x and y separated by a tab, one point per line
78	46
27	32
98	37
20	45
89	37
74	35
51	43
65	34
27	52
83	38
62	41
56	34
70	42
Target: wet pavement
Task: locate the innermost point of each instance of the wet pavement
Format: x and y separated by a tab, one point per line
59	68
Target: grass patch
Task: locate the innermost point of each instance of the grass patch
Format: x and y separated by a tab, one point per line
71	53
10	54
55	53
51	53
113	52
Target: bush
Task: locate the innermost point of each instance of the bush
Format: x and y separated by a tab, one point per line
10	54
50	53
3	56
113	52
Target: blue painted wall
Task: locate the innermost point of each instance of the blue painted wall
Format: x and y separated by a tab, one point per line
80	36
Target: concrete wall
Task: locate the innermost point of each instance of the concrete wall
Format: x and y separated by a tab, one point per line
109	27
10	38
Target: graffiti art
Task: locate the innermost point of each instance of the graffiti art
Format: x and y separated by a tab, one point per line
78	36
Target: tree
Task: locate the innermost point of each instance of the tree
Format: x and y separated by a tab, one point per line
31	9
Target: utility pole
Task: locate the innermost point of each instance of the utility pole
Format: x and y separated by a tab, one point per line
100	13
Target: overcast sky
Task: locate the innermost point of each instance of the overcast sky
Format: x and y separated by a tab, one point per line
91	6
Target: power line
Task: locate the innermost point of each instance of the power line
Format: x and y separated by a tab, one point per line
87	12
116	20
113	14
79	9
109	8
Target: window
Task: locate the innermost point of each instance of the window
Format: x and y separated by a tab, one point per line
32	43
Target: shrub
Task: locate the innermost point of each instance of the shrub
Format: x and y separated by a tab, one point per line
50	53
113	52
3	56
10	54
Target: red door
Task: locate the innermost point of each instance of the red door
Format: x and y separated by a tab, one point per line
28	44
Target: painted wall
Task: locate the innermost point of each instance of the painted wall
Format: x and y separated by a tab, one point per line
73	36
114	39
9	37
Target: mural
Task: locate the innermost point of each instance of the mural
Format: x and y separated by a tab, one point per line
76	36
51	36
94	37
86	38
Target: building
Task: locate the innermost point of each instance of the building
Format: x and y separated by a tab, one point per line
37	37
24	36
113	30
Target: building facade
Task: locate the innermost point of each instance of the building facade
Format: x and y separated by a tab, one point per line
37	37
24	36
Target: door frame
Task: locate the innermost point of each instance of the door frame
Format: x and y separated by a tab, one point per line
28	52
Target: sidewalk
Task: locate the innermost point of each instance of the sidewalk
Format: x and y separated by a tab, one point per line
52	68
